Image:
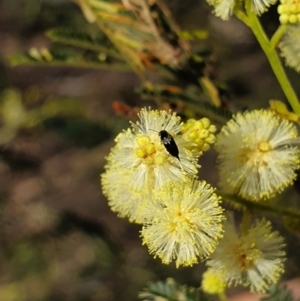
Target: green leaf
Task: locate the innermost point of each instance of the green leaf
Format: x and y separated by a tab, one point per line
278	293
66	57
191	35
169	290
83	40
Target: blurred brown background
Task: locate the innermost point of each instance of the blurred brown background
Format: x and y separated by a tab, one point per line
59	240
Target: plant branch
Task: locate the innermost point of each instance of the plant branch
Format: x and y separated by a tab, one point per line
277	35
242	16
245	221
273	57
282	211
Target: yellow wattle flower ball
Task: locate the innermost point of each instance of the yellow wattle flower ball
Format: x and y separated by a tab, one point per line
289	11
200	133
140	163
225	9
186	224
139	149
290	47
212	282
254	259
256	154
122	199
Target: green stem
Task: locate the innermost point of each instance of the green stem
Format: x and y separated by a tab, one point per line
273	58
262	206
63	64
245	221
277	35
242	16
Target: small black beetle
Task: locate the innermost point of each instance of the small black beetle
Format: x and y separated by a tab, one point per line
168	141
